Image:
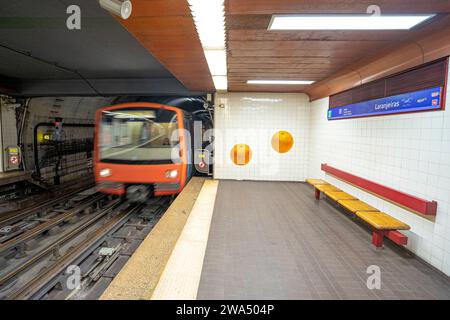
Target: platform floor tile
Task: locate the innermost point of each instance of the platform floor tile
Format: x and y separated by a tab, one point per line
272	240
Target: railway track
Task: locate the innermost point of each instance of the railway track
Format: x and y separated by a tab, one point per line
96	240
11	217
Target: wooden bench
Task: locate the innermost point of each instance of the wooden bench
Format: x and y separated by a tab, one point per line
356	205
321	186
382	224
339	195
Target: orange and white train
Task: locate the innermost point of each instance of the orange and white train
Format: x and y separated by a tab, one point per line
143	149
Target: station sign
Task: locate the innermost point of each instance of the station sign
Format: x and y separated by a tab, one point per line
423	100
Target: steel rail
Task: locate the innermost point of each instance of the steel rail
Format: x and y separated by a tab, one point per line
55	245
43	278
41	228
16	215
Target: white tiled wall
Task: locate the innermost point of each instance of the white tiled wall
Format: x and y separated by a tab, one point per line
408	152
253	118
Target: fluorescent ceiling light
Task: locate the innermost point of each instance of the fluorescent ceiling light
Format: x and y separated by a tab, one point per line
220	82
217	62
209	19
279	82
261	99
346	22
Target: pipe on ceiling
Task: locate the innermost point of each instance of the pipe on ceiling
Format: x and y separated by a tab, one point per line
408	55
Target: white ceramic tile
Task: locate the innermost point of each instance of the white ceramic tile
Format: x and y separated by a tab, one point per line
252	119
410	152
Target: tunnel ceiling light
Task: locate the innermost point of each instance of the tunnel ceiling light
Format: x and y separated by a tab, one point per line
121	8
346	22
209	19
279	82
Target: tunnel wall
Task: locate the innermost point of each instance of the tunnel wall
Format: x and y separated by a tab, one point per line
79	110
409	152
253	119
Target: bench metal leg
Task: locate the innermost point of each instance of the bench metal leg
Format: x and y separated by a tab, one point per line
377	238
317	194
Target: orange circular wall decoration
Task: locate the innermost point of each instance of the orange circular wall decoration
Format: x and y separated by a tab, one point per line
282	141
241	154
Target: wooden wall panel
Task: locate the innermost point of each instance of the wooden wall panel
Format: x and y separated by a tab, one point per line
423	77
369	91
429	76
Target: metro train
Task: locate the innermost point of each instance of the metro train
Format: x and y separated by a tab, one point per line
144	149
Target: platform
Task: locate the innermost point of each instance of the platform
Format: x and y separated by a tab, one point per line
270	240
139	277
14	177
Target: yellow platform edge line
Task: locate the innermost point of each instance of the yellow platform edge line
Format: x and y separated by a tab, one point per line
140	275
181	276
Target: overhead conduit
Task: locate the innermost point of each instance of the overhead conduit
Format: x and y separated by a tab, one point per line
407	56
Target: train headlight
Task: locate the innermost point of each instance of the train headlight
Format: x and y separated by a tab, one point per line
105	172
172	174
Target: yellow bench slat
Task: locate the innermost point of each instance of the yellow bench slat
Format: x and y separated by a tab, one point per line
382	221
314	182
356	205
326	187
339	195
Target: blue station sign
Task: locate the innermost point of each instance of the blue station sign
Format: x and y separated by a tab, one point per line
429	99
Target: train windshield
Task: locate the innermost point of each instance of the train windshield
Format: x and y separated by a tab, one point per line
139	136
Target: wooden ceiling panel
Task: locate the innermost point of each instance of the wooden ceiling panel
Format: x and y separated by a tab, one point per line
289	60
323	46
253	52
159	8
236	7
338	35
167	30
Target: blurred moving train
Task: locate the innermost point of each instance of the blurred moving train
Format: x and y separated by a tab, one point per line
146	149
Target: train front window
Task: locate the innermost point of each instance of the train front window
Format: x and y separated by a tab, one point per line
139	136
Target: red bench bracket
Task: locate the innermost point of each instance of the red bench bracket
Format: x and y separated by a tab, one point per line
397	237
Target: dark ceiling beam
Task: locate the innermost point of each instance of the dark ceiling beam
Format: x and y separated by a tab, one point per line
9	85
106	87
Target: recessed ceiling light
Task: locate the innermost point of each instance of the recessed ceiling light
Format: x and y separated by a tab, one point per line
346	22
279	82
220	82
209	19
217	61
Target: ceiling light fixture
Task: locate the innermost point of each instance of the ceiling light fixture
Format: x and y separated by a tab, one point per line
346	21
220	82
217	61
279	82
209	19
121	8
